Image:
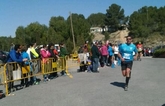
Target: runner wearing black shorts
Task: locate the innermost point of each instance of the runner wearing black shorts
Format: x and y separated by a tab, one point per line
126	64
126	55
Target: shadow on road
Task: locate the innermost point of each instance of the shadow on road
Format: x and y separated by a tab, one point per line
118	84
163	105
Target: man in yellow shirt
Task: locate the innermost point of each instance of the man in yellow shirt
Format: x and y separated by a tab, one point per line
33	55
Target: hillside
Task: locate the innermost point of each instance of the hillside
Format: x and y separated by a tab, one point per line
119	37
116	37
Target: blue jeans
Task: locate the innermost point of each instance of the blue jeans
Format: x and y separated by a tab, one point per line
32	79
119	62
95	64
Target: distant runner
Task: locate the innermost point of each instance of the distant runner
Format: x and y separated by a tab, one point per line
139	48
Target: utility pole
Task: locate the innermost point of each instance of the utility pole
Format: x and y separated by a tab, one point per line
147	14
72	29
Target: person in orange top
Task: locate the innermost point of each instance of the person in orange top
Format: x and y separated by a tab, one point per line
139	48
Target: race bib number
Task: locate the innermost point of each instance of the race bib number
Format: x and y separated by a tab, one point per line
140	49
87	54
126	56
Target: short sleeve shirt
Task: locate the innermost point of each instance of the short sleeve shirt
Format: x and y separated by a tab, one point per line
126	51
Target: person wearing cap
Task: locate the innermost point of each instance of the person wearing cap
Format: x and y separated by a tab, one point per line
126	56
95	57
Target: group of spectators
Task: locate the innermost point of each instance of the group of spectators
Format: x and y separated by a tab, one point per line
100	54
24	55
147	51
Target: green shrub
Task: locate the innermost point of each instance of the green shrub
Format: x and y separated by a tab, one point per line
159	53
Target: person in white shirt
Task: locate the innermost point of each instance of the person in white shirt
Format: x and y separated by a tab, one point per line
116	51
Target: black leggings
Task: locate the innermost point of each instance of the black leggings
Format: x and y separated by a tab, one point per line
116	56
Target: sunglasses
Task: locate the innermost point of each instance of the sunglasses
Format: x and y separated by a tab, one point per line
129	39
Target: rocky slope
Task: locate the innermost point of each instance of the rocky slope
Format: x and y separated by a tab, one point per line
116	37
119	37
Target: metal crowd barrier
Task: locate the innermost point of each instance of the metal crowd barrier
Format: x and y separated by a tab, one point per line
14	72
51	65
2	74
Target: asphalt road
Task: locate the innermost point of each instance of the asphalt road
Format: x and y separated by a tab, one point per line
146	88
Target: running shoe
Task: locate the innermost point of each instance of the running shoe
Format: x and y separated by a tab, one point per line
48	79
126	88
36	83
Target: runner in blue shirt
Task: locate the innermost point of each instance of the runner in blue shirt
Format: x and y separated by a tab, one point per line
126	55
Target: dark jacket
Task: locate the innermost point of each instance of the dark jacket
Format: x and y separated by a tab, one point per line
95	51
63	52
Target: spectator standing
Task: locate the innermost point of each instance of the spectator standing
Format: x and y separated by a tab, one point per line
33	52
111	54
53	54
63	53
24	82
104	53
86	51
14	56
116	51
149	51
95	57
45	54
33	55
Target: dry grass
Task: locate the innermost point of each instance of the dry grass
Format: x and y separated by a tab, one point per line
119	36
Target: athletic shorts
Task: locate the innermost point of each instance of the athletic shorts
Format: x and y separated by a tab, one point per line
139	51
126	64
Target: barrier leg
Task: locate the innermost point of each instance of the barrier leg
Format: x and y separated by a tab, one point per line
66	69
6	84
5	81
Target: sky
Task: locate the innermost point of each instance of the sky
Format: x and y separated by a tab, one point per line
15	13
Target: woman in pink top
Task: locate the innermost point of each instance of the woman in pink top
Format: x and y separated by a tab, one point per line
45	54
104	53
